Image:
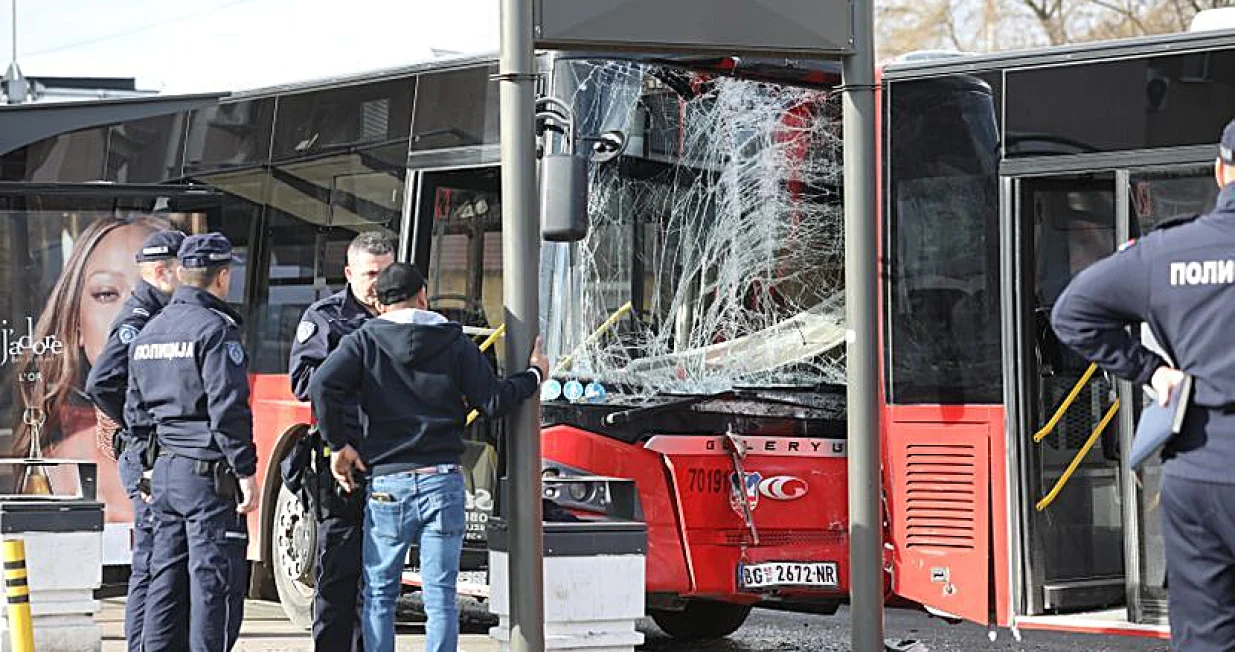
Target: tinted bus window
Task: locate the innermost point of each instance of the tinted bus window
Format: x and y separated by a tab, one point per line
457	108
364	114
315	209
1176	100
146	151
943	242
73	157
229	135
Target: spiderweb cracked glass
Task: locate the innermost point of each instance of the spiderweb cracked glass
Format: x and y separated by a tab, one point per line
721	225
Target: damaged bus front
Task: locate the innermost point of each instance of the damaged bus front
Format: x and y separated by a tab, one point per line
698	329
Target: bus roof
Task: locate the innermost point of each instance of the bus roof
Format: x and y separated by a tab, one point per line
350	79
959	63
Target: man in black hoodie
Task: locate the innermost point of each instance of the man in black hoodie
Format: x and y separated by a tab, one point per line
416	376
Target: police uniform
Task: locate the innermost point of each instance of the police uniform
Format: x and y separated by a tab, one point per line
188	383
1180	281
340	526
106	386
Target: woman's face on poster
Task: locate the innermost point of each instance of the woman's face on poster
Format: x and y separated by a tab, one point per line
110	275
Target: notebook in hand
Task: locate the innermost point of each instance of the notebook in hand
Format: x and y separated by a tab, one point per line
1158	424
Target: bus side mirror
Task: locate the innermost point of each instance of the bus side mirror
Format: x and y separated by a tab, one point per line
563	197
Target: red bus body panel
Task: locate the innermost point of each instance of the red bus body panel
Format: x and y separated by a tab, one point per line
696	538
276	412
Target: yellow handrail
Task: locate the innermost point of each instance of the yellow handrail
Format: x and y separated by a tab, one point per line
565	363
484	346
1067	403
1080	455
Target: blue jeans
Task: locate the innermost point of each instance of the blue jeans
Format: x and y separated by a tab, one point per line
403	508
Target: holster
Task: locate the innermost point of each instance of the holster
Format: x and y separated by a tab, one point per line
306	472
226	486
151	452
329	497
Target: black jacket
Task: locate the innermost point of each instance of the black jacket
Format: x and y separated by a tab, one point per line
109	377
320	329
416	383
188	380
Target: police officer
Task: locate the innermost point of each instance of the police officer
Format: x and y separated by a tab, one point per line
340	526
1180	281
106	386
415	375
188	383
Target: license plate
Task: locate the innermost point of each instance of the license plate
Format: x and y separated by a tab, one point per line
788	573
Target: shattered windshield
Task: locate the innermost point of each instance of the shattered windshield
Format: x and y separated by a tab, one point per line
715	254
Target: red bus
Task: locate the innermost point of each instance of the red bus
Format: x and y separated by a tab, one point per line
1004	175
714	388
698	330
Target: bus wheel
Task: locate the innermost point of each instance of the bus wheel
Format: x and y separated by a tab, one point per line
294	544
701	619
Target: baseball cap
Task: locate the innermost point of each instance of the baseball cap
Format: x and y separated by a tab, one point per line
160	245
207	250
398	282
1226	148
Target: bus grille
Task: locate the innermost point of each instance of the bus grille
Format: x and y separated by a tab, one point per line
786	537
940	496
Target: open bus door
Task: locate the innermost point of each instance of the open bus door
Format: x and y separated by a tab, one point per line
1090	540
458	247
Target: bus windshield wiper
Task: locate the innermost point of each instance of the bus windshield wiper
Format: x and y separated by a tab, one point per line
626	416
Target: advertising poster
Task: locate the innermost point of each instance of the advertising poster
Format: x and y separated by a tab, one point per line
64	276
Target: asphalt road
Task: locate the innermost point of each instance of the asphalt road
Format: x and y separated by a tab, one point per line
774	631
267	630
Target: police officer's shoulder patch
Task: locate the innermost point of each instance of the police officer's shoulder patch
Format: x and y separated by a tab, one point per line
305	330
141	312
127	333
235	352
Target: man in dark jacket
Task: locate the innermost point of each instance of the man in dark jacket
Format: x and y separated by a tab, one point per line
417	376
107	385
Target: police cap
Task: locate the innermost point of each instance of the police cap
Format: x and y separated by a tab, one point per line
160	245
1226	148
208	250
398	282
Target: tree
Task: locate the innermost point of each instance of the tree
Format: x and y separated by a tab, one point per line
991	25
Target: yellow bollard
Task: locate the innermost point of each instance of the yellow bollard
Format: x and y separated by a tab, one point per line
17	591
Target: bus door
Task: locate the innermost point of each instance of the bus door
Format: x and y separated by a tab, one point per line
1152	195
1069	434
458	246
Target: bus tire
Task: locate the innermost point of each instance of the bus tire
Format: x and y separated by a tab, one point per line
701	619
293	546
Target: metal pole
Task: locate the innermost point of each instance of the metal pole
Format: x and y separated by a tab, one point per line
865	522
521	264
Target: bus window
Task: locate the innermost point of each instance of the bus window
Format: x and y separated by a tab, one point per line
942	207
714	257
314	209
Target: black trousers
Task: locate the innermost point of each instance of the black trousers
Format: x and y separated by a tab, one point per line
337	603
1198	523
198	571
